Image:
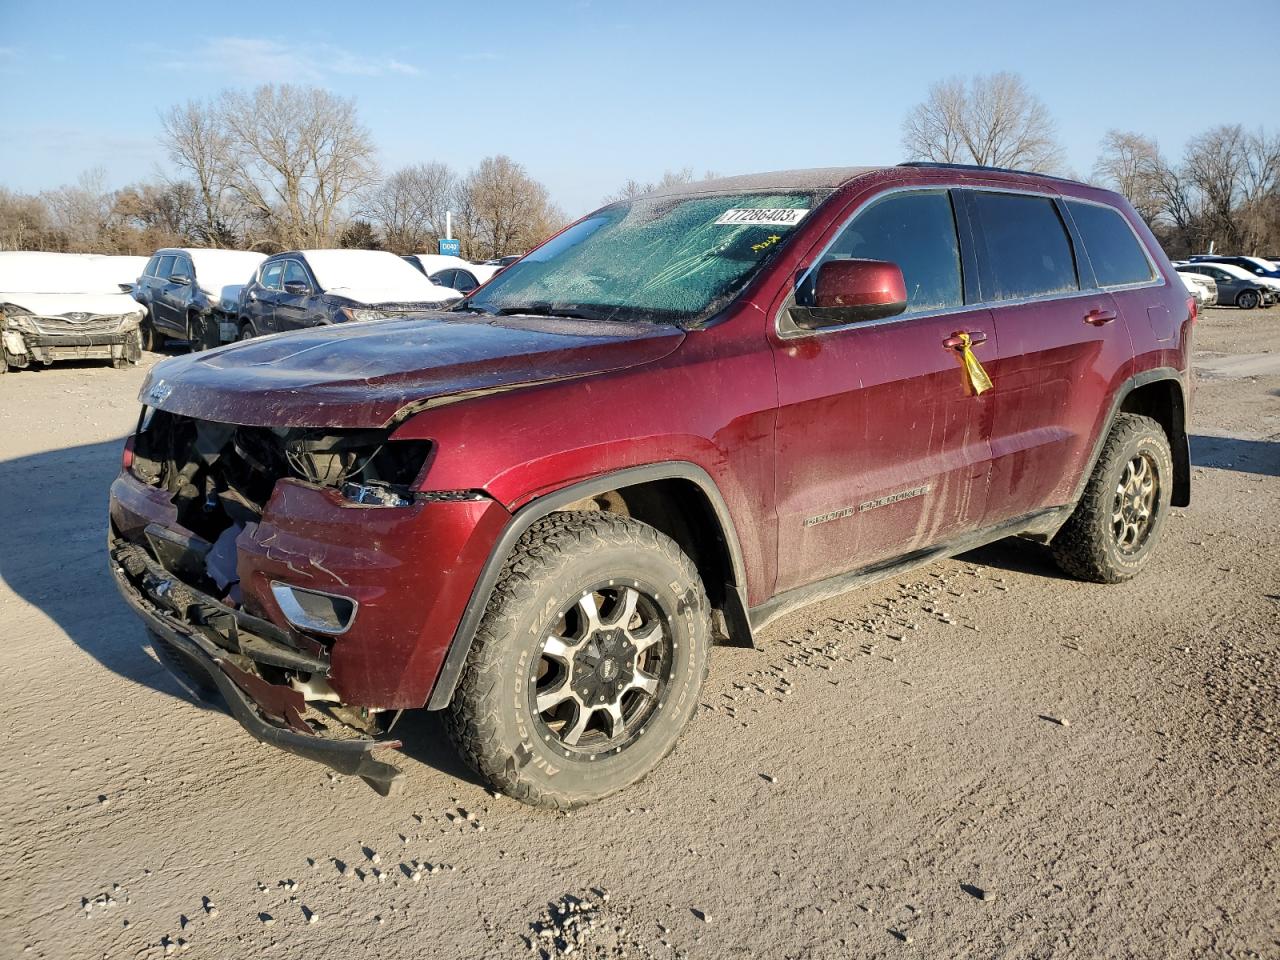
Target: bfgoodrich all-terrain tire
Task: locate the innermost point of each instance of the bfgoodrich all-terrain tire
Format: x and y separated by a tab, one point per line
1117	523
587	664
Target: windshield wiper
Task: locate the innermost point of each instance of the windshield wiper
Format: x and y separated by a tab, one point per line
544	308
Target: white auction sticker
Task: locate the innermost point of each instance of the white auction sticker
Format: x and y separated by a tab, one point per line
765	217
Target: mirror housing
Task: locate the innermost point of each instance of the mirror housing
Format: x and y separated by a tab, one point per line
296	288
179	279
853	291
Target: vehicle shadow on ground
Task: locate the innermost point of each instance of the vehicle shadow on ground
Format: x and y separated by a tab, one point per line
53	555
1016	556
1243	456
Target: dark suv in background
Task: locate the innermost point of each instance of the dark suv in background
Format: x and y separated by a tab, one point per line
192	293
312	288
683	416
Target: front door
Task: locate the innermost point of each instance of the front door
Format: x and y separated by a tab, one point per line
262	297
294	306
881	449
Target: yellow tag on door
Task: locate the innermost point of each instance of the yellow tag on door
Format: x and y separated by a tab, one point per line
976	381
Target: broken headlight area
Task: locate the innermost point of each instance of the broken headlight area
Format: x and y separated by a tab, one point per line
221	476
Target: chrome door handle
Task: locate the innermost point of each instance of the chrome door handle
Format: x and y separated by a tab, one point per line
1098	316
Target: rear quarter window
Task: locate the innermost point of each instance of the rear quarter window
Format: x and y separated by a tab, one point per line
1114	251
1028	251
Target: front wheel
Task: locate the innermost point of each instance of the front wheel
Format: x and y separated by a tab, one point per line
587	664
1117	523
1248	299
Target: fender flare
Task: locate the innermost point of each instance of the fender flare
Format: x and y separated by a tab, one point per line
530	513
1180	446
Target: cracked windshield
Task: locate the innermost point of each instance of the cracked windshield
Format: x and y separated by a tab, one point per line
668	259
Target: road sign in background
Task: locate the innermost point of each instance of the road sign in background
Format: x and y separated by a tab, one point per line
450	248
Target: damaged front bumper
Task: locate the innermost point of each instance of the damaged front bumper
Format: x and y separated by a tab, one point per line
228	646
24	348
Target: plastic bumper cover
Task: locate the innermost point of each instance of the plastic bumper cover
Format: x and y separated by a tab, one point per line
271	713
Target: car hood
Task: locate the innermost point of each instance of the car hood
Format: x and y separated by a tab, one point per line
56	304
364	374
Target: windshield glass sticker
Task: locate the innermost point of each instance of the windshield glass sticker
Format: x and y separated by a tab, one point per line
767	217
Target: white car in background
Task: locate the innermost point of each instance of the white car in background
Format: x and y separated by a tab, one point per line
63	306
462	275
1204	288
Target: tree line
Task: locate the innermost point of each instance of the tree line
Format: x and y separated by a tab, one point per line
1224	190
277	168
282	167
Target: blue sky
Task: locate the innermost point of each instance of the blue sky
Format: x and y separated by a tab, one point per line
586	94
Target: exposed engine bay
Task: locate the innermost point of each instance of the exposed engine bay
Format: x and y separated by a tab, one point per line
221	477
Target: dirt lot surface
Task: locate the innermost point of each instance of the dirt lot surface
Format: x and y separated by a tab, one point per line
980	760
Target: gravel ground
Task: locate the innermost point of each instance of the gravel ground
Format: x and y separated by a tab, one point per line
982	759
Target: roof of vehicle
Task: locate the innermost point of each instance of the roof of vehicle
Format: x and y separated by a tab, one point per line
434	262
371	276
829	178
37	272
1240	273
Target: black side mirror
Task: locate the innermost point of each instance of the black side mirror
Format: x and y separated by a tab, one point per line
296	288
179	279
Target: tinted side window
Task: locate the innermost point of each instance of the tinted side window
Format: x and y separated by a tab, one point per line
182	268
271	275
1028	249
917	231
464	282
165	269
153	267
1116	254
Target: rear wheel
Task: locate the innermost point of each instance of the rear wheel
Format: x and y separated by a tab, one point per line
1117	523
246	332
587	664
1248	299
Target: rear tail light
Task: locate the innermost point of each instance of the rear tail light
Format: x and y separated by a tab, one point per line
1193	308
126	458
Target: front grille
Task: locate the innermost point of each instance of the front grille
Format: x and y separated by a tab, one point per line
77	323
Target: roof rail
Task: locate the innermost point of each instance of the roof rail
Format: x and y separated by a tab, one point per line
980	167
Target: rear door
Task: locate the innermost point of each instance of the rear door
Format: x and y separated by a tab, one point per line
881	451
1062	346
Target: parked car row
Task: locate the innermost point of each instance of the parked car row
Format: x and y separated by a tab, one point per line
73	306
1257	285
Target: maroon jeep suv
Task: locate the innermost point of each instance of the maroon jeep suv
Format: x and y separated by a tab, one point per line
681	417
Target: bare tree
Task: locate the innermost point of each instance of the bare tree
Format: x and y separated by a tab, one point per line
199	146
670	178
503	210
82	212
295	156
1130	163
409	208
24	223
992	121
